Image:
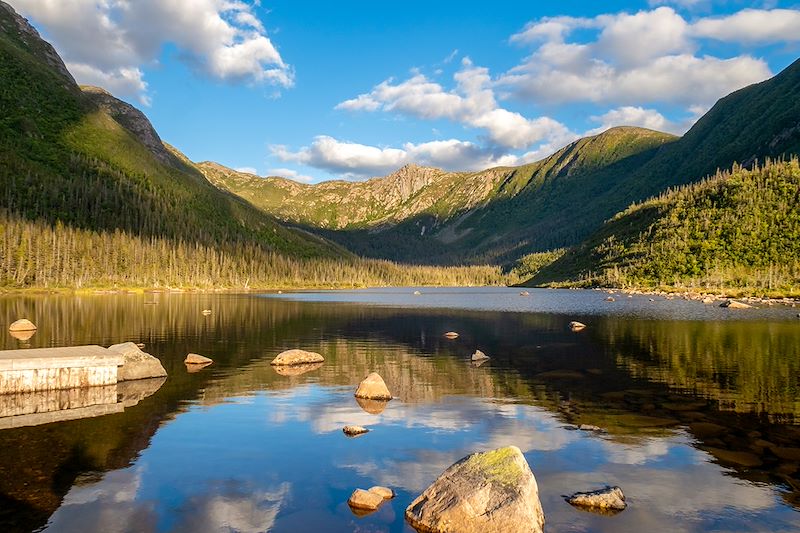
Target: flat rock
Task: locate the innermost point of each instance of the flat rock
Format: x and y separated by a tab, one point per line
373	388
493	491
733	304
352	431
297	357
605	499
23	324
384	492
576	326
137	364
197	359
364	499
479	356
735	458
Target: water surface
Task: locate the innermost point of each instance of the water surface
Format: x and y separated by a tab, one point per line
697	405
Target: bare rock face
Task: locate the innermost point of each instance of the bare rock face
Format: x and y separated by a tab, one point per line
479	356
23	324
576	326
297	357
138	364
373	388
607	499
196	359
493	491
352	431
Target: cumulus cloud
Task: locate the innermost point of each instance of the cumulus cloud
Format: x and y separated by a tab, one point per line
354	160
472	102
634	116
638	58
752	26
108	41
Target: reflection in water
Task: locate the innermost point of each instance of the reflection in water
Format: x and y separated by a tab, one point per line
697	418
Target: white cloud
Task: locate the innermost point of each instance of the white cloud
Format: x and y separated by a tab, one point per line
472	103
634	116
752	26
354	160
108	40
247	170
290	174
630	59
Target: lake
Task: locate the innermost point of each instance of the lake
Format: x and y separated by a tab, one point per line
697	408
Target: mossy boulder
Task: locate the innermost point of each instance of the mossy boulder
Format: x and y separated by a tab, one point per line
483	492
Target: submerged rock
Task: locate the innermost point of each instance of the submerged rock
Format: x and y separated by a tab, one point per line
373	407
197	359
576	326
352	431
451	335
490	491
606	499
23	324
479	356
733	304
364	499
296	370
373	388
297	357
137	364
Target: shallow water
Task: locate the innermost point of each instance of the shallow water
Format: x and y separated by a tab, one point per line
698	406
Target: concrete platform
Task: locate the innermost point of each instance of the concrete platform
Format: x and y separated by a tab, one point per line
44	369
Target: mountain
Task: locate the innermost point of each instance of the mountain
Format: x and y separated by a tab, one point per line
739	229
90	195
426	214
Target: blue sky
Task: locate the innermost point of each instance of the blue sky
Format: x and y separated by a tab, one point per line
321	90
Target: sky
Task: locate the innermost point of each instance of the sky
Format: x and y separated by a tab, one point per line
325	90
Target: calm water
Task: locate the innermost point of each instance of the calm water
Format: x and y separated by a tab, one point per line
698	405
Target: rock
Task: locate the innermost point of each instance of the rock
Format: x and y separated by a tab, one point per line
735	458
195	368
137	364
707	430
206	312
451	335
196	359
611	299
787	453
708	300
590	427
140	345
373	388
576	326
131	392
733	304
608	499
417	293
373	407
352	431
384	492
364	499
297	357
524	293
296	370
23	324
651	299
479	356
23	335
490	491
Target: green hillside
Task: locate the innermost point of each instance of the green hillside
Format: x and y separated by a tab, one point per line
89	195
420	213
738	230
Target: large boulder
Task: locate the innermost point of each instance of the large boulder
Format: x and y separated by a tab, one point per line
373	388
23	324
493	491
137	364
297	357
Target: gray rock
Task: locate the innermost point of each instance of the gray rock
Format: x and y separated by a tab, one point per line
479	356
491	491
137	364
606	499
